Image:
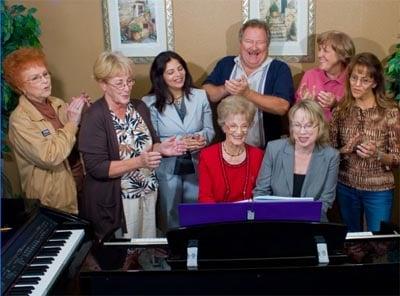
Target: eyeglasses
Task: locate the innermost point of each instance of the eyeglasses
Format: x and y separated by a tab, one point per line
364	81
308	128
234	128
254	42
120	85
36	79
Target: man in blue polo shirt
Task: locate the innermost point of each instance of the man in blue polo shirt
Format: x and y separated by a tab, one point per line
260	79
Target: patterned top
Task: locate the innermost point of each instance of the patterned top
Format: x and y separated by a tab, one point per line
371	124
133	138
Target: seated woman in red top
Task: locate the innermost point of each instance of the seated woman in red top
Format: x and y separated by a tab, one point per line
228	170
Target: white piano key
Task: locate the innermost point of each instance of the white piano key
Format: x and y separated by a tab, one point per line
52	273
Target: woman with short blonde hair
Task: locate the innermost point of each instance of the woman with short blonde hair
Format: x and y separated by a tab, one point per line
316	116
120	151
303	165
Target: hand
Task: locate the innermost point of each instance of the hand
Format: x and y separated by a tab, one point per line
194	142
305	93
74	110
87	99
326	99
149	159
172	147
367	150
237	86
351	146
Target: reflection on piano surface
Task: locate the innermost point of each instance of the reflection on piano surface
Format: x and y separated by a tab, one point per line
377	273
41	248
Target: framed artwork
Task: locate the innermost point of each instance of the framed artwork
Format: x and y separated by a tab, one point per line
140	29
292	26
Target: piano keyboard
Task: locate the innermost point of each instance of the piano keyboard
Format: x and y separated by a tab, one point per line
40	275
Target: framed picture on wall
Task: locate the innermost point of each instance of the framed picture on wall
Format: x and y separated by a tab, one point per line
140	29
292	26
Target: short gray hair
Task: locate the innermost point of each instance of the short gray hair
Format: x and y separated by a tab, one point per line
233	105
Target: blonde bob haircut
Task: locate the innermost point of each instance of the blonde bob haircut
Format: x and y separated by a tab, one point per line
111	64
233	105
340	42
316	117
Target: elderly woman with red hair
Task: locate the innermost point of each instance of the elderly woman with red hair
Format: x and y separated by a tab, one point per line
42	132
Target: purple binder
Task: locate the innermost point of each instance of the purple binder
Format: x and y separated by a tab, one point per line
195	214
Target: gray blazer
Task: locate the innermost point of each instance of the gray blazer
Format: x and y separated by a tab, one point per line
277	169
198	120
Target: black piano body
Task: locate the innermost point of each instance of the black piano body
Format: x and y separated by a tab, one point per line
42	249
251	258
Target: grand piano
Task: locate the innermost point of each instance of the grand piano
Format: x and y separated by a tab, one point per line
42	249
250	258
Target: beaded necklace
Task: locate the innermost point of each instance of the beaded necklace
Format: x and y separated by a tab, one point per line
232	155
227	184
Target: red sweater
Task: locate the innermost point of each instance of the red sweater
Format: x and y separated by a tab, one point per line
220	181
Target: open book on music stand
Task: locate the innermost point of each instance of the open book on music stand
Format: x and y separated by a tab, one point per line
262	208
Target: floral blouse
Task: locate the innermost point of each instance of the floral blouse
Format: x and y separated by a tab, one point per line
133	138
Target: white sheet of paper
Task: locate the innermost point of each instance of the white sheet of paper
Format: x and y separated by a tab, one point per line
266	198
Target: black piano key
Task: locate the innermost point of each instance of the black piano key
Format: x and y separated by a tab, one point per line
49	251
24	290
36	270
28	280
44	260
55	243
61	235
19	293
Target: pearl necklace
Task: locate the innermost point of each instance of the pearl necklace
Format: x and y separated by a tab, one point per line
241	150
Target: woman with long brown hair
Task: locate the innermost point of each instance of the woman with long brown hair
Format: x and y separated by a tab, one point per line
366	129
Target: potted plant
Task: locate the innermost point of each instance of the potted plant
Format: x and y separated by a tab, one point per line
19	29
136	31
392	73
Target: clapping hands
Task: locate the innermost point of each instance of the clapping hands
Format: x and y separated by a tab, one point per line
194	142
237	86
76	106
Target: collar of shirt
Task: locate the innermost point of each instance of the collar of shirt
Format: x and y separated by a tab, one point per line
341	79
238	63
34	113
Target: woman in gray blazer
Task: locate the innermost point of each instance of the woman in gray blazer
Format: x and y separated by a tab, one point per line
303	165
177	109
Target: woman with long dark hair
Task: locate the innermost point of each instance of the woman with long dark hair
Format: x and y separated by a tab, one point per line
177	108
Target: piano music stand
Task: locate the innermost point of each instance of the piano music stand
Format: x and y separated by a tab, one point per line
196	214
254	243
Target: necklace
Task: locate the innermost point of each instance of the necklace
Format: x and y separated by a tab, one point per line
178	100
226	180
241	150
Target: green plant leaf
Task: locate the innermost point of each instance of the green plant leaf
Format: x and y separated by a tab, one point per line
32	10
17	9
20	28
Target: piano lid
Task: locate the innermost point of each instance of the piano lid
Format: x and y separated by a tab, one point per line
14	214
